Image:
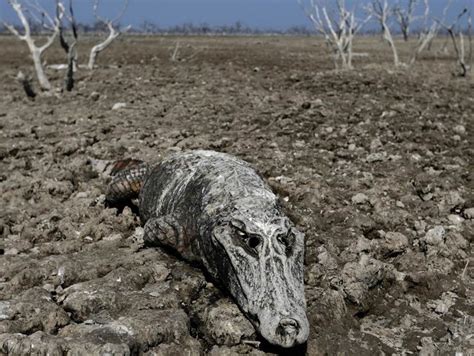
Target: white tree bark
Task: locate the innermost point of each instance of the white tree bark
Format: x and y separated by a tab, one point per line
338	27
380	10
113	33
459	46
36	52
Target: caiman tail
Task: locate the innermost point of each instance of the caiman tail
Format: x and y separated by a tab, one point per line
128	176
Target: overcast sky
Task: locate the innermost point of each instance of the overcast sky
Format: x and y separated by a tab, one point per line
276	14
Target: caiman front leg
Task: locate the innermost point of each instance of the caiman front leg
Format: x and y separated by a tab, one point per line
166	231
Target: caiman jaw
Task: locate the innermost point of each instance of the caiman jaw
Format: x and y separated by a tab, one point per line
287	331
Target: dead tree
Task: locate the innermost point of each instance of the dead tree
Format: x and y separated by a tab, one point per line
405	16
174	56
455	31
69	46
380	10
41	16
113	32
338	28
429	30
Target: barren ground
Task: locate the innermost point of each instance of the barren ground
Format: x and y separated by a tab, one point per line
374	165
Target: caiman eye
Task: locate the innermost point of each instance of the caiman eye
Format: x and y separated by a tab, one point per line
250	241
253	241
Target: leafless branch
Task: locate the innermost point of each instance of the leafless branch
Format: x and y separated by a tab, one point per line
381	10
113	32
174	56
105	20
36	51
338	26
405	16
69	45
459	47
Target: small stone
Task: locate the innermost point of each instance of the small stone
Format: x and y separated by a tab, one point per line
427	347
459	129
137	236
360	198
375	144
113	237
456	138
363	244
94	96
160	272
227	326
435	235
329	129
299	144
5	311
455	219
392	243
376	157
454	199
399	204
427	197
351	147
468	213
11	252
306	105
49	287
317	103
82	195
118	106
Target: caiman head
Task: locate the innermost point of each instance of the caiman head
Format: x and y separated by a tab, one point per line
258	255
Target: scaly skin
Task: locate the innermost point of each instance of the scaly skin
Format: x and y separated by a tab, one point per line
214	209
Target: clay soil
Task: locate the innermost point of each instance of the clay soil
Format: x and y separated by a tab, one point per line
374	165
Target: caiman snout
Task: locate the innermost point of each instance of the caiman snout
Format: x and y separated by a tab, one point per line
287	331
284	331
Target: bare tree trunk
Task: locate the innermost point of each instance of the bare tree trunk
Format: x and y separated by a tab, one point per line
405	34
174	56
40	74
460	48
405	16
36	52
338	27
381	10
424	41
387	35
69	48
113	34
71	64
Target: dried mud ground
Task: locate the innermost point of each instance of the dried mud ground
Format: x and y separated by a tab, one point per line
374	165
